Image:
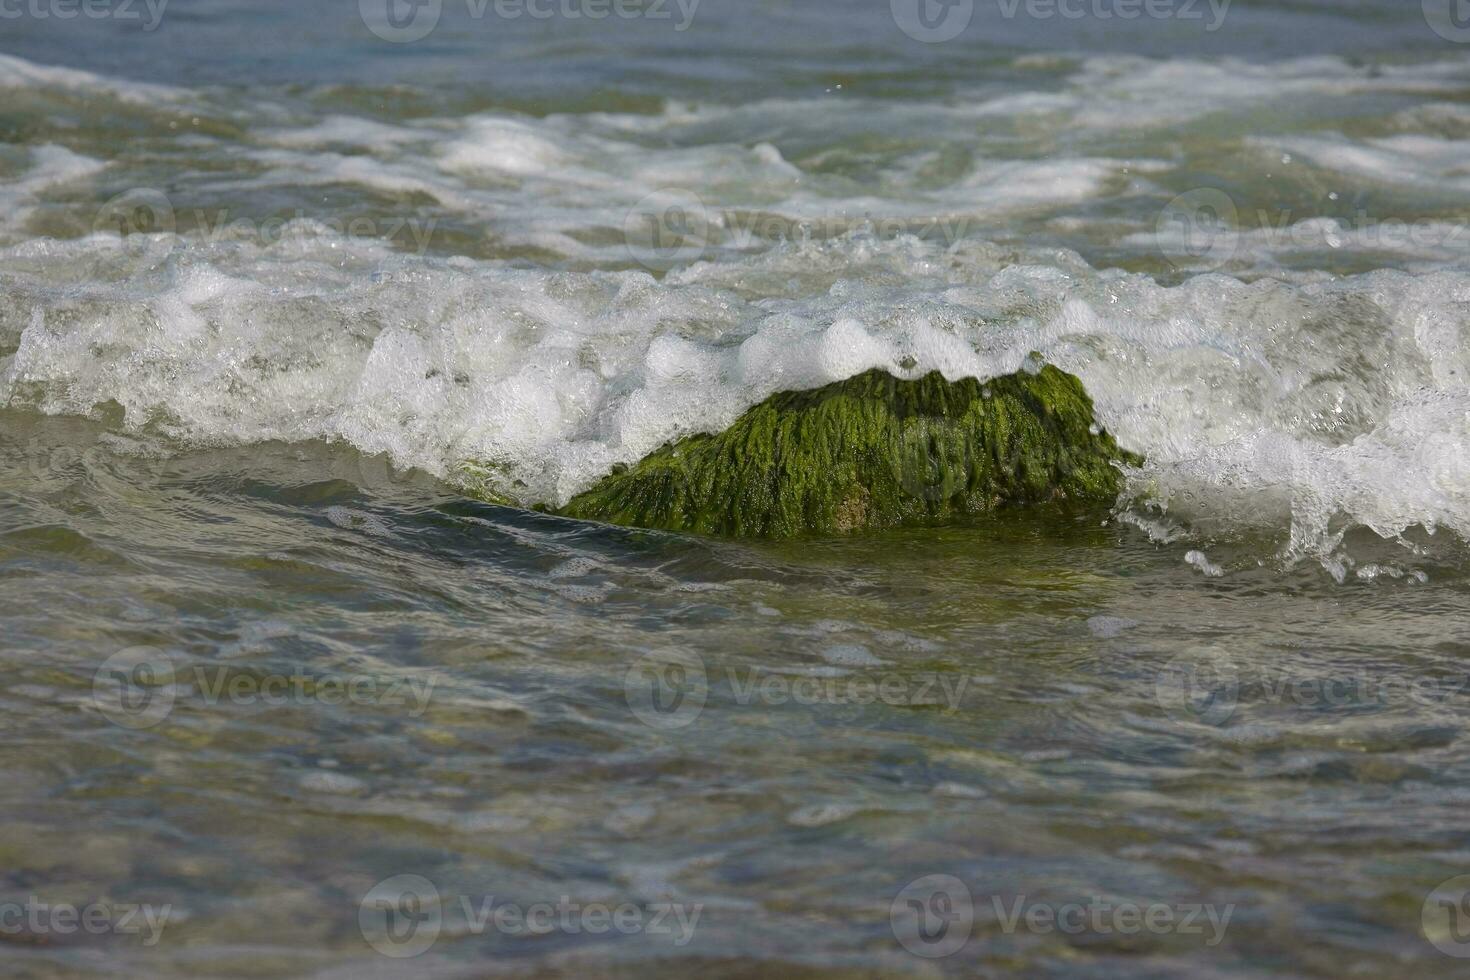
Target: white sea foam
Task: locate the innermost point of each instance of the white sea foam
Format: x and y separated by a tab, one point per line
1419	160
1290	399
18	73
49	166
1310	405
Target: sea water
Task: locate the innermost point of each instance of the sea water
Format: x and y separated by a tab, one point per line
283	286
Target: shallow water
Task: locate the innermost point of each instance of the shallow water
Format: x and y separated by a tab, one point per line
274	291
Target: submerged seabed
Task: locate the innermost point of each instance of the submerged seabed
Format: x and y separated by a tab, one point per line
269	283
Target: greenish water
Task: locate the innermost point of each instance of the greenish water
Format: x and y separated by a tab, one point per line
281	698
1043	706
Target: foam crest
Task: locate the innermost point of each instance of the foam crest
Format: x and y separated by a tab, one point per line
18	73
1309	407
48	166
525	334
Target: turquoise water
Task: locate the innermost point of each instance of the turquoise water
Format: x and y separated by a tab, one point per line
283	698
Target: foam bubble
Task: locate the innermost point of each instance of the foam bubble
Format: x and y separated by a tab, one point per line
18	73
49	166
1286	396
1305	404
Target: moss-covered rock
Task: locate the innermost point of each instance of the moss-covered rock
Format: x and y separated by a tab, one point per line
873	451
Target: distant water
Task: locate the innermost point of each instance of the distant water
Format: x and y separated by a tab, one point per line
280	284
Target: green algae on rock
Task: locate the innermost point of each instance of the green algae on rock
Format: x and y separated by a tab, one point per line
873	451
